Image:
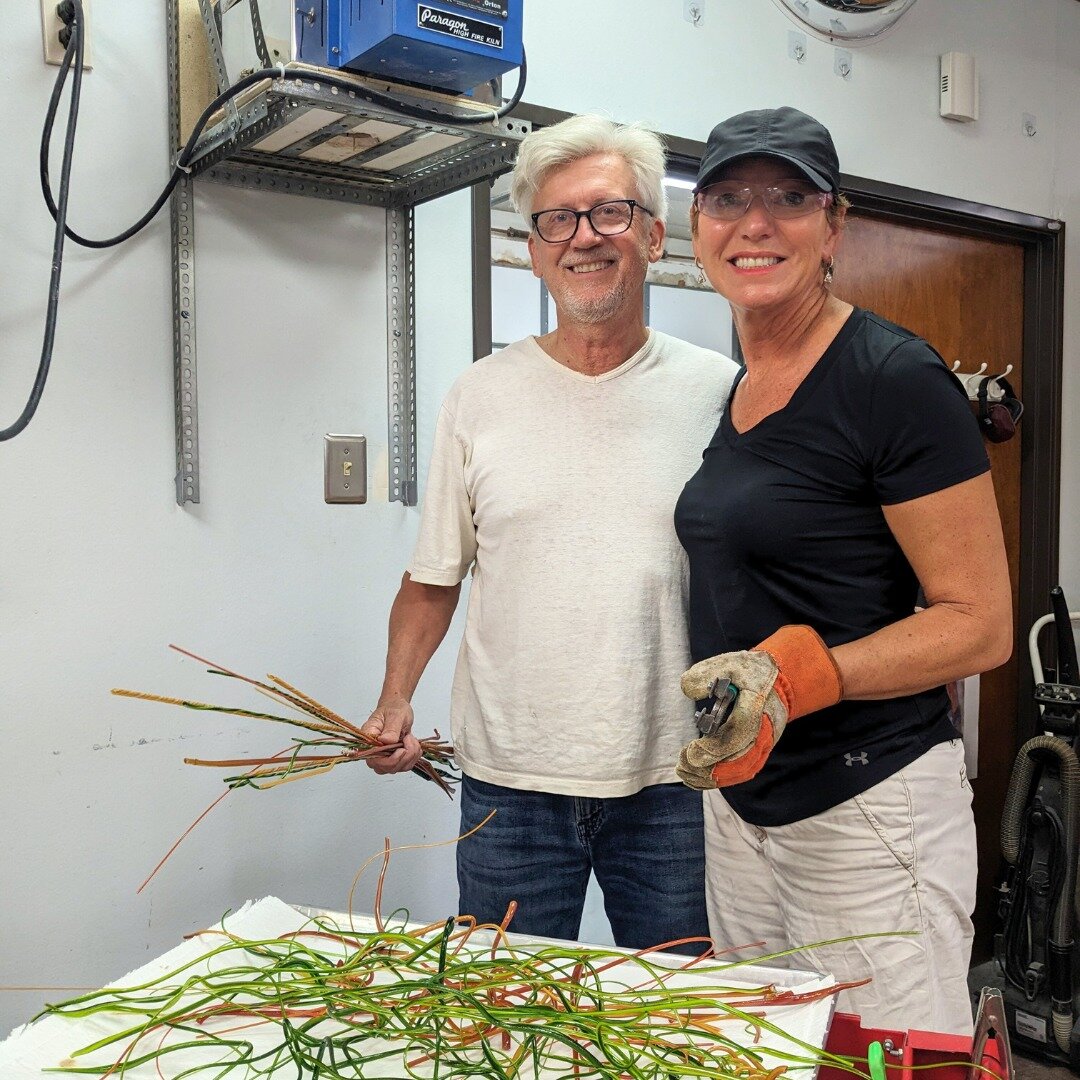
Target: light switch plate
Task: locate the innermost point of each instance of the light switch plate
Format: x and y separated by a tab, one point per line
345	469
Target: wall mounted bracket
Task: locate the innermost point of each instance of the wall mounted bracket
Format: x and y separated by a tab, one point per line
299	136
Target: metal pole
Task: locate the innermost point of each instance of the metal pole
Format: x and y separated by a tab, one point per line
401	355
481	269
182	219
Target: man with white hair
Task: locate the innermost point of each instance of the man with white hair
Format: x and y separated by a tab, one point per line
556	467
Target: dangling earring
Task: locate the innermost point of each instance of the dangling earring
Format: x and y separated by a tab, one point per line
701	279
828	268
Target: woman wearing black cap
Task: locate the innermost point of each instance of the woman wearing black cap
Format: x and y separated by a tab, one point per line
846	472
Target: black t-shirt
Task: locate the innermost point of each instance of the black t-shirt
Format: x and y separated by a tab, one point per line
783	524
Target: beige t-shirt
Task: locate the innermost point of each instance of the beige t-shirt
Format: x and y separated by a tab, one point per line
559	489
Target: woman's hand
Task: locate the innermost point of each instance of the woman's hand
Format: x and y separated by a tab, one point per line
790	674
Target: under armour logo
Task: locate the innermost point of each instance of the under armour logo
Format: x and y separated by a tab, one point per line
852	759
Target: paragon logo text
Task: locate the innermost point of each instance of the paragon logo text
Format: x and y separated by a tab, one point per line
445	22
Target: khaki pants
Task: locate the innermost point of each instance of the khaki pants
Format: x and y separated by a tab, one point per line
901	856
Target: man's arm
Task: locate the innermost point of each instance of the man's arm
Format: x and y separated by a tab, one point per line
419	619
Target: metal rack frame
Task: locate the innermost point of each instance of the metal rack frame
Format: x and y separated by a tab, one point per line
249	145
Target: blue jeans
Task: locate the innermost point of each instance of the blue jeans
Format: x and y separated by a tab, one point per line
647	851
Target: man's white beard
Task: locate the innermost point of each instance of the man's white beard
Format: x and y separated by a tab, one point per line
592	309
598	309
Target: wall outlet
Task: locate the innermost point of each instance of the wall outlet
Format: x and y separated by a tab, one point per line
51	25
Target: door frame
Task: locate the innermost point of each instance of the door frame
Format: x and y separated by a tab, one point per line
1043	243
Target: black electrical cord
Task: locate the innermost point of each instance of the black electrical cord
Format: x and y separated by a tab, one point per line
73	52
71	12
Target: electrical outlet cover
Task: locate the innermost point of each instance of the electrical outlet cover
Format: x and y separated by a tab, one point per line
51	25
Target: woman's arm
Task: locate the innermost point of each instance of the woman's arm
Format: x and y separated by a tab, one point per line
953	540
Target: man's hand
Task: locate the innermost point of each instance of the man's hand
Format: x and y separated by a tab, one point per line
391	723
788	675
418	622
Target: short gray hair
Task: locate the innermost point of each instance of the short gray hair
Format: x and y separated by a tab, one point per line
578	137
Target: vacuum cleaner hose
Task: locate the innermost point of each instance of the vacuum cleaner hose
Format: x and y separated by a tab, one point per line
1016	801
1033	755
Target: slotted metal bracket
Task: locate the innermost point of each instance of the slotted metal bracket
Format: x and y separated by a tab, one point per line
260	37
401	355
247	144
225	6
186	395
211	17
182	219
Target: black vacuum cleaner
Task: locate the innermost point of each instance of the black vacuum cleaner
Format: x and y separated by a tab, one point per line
1036	961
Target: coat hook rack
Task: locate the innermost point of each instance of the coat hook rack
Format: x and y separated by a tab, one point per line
970	381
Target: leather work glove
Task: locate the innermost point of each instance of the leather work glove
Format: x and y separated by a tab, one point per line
791	673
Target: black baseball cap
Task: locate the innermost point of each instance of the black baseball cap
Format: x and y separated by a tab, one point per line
783	133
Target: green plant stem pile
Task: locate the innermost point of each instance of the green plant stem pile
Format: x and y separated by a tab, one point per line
333	1003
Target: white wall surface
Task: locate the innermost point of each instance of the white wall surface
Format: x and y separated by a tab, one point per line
99	568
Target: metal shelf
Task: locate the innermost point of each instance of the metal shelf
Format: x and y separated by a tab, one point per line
299	136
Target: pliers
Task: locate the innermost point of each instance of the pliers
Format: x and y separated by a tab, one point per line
717	707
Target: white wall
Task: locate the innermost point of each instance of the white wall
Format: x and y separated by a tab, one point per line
99	568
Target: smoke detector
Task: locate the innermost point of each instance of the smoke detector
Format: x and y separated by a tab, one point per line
854	22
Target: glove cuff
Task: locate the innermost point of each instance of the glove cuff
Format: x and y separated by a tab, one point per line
808	677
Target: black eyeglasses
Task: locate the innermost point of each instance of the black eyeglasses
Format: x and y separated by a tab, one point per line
606	219
730	199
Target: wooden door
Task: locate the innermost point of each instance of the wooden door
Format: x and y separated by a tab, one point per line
965	295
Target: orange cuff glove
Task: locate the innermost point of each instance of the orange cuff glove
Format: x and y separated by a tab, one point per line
791	673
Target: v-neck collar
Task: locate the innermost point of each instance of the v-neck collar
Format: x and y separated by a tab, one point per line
802	393
630	362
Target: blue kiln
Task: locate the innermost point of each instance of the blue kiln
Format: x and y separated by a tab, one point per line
446	44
